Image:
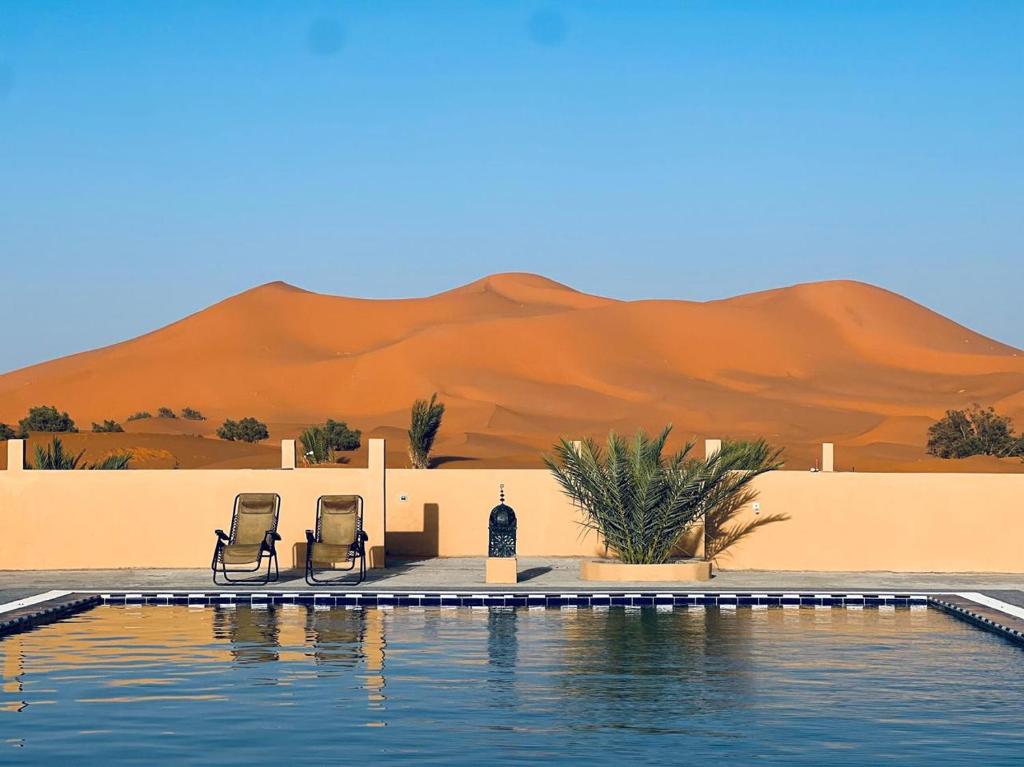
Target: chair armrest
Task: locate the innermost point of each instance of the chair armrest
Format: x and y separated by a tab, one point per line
268	540
222	536
310	538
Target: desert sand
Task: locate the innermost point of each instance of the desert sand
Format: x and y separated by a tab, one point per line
521	360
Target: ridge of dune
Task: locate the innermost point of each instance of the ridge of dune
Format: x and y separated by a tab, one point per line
521	360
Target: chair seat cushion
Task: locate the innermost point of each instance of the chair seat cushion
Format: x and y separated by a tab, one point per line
235	554
327	554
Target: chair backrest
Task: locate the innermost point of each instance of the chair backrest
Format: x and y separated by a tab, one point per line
255	514
339	519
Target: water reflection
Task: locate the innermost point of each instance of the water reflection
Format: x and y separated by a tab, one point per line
478	686
253	633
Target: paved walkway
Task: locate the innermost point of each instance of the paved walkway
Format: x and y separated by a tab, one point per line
549	574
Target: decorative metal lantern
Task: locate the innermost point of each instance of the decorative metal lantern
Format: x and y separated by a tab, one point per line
502	530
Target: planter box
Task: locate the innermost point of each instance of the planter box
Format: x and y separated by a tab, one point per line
608	570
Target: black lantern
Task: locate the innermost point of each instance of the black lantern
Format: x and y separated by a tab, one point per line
502	530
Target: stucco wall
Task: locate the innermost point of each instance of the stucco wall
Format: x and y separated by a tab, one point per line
445	513
111	519
845	521
837	521
899	522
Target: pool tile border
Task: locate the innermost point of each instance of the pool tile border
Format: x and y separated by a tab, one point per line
518	599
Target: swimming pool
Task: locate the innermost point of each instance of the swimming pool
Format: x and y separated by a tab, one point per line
293	683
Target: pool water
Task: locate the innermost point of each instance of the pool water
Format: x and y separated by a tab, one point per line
295	684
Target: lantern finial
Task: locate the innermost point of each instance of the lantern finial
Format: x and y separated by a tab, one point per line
501	492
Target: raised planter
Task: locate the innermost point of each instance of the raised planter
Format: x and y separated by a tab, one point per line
610	570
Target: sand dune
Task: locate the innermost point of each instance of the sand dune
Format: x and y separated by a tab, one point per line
520	360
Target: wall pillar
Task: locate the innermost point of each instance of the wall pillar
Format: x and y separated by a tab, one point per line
15	455
374	505
712	447
827	456
287	453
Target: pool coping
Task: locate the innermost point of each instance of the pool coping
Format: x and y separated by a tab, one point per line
50	607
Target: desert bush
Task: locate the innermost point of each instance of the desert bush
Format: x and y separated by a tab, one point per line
45	418
974	431
245	430
316	445
165	412
6	432
341	437
141	415
424	425
719	534
56	458
190	414
642	503
113	462
107	426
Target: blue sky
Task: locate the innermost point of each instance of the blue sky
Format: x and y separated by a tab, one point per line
158	156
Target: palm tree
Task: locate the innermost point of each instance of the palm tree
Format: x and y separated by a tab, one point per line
54	457
642	503
423	428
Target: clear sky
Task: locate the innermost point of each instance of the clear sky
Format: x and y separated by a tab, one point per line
158	156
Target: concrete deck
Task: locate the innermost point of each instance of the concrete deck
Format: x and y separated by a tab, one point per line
536	574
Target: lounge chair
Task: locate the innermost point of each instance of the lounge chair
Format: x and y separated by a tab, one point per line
338	538
252	540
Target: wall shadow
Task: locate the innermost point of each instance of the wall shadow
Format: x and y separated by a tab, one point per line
417	543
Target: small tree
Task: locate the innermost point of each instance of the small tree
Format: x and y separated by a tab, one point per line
45	418
190	414
141	415
6	432
425	423
974	431
316	445
341	437
107	426
165	412
642	503
246	430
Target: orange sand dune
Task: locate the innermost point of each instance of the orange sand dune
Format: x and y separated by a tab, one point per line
521	360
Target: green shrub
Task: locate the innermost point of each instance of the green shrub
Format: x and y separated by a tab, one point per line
165	412
45	418
316	445
141	415
107	426
974	431
246	430
192	415
6	432
643	504
55	458
341	437
424	425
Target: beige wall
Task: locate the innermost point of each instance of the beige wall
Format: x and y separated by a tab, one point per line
109	519
445	512
838	521
899	522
